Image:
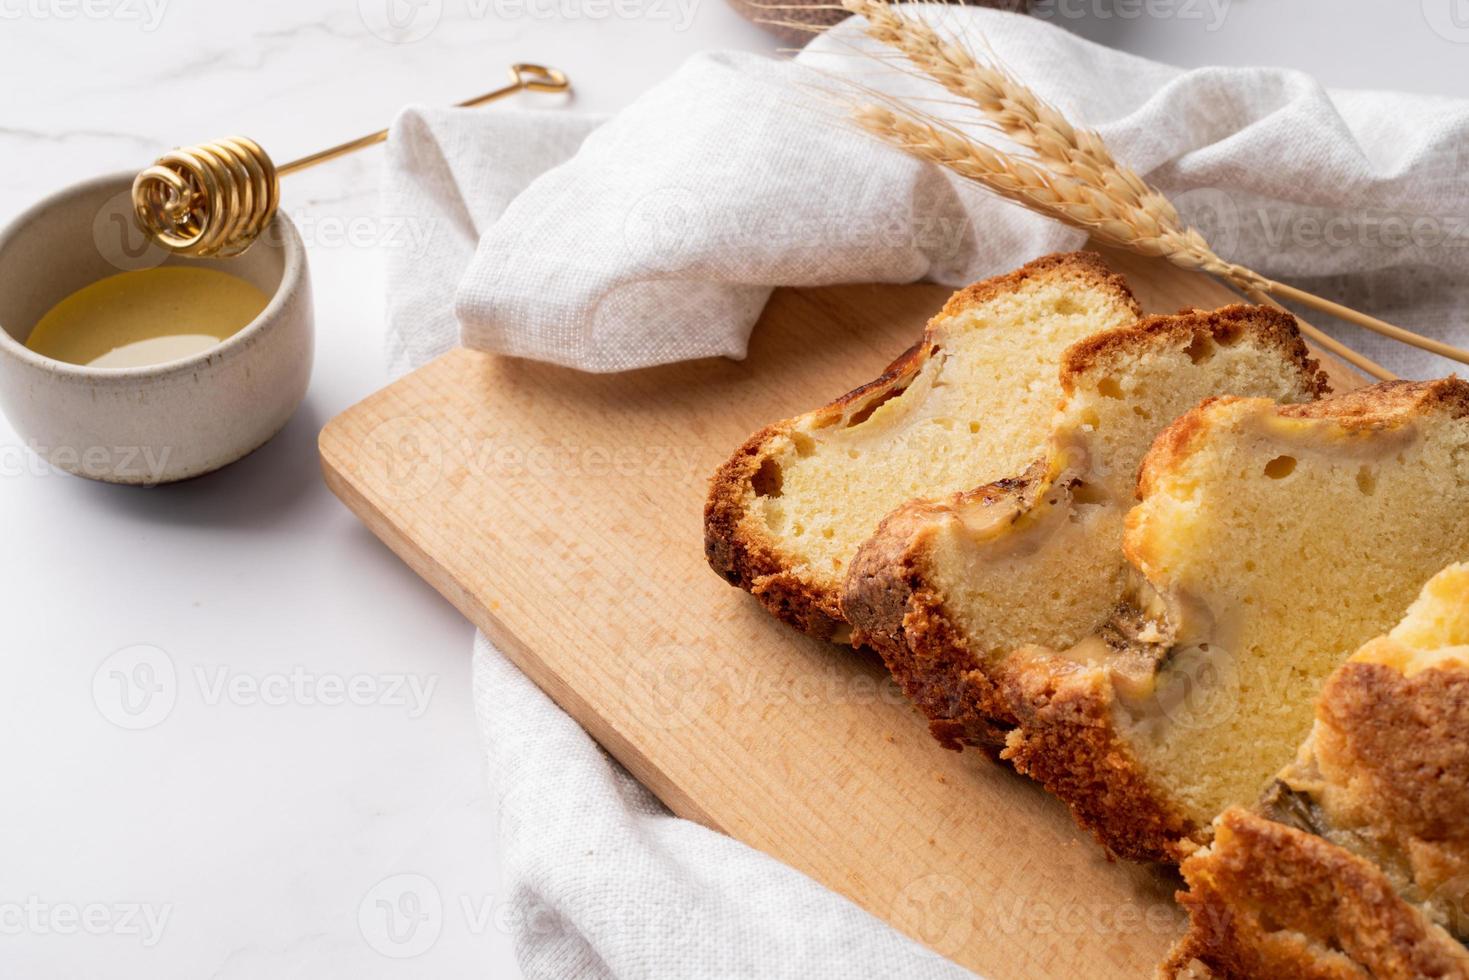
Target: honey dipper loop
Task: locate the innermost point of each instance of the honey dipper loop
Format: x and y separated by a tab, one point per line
214	199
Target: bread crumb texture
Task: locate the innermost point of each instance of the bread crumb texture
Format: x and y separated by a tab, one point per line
945	590
1354	863
970	403
1281	539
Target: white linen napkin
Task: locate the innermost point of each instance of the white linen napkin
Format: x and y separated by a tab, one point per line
657	235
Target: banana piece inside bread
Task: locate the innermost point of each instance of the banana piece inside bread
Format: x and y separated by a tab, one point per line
1356	861
946	589
969	403
1271	542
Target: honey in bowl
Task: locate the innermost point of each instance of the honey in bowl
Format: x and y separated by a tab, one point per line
145	317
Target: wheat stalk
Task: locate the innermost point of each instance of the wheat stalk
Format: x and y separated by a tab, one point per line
1103	215
1008	105
1070	174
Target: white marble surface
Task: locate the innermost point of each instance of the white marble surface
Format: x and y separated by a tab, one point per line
259	829
241	819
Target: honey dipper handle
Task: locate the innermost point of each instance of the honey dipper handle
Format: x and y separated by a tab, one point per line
523	77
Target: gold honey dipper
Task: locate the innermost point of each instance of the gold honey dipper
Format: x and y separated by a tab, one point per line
214	199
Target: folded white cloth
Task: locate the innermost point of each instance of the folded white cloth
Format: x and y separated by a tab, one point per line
605	883
657	235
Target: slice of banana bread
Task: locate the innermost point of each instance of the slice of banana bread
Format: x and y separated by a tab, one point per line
946	589
970	402
1356	861
1271	541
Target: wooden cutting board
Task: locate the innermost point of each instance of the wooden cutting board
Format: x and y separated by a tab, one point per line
562	513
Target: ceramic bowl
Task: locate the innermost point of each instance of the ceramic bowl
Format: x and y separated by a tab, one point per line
163	422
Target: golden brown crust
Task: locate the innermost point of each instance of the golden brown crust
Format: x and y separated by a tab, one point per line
1067	741
749	562
1388	403
1267	900
1393	748
893	610
1225	326
1383	405
753	562
888	599
1087	268
1404	738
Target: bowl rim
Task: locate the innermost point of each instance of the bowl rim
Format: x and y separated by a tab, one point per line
293	275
